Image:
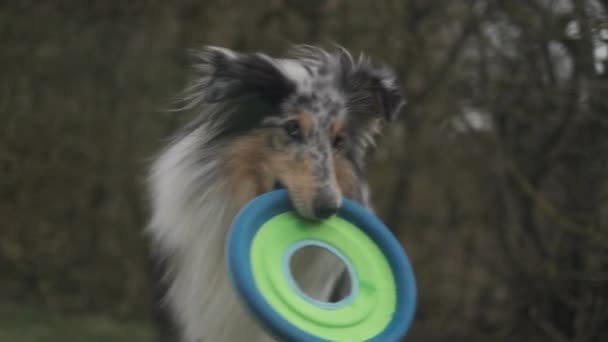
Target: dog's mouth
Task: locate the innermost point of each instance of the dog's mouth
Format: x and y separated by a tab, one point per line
278	185
311	213
297	206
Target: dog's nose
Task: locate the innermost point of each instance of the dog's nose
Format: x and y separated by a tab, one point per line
323	210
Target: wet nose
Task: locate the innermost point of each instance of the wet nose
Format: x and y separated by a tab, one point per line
324	208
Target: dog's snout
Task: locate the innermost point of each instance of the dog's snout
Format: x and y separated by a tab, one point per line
324	207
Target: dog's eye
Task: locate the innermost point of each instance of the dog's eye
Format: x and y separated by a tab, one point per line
338	142
292	128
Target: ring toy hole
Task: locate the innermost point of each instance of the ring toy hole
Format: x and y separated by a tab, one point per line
295	262
298	262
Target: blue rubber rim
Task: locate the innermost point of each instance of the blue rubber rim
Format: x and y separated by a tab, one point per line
238	247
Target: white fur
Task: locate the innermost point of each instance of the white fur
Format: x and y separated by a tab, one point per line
297	73
191	217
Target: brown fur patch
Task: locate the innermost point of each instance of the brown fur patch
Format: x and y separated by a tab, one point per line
306	121
247	173
345	175
297	175
336	127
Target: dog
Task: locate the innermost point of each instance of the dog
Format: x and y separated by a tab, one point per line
304	123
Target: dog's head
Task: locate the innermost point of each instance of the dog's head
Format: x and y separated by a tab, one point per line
304	122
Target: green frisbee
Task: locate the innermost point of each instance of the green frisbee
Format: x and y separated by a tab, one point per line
265	236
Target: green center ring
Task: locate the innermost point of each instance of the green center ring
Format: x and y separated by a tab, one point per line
361	315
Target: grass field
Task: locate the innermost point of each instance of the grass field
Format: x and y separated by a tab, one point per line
29	324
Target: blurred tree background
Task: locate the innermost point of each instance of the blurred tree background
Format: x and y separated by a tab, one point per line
495	177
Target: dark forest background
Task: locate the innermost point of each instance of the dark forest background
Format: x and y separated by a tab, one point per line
495	177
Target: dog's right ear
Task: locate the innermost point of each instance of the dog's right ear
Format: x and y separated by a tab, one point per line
224	74
376	84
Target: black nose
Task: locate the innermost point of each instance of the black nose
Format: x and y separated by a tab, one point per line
325	210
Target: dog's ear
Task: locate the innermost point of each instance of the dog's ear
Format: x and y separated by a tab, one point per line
225	74
373	88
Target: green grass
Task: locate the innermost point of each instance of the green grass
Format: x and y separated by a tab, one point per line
29	324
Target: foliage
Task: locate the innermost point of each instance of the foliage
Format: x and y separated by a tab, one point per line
24	323
494	178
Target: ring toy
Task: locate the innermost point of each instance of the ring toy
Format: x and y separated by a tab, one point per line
267	233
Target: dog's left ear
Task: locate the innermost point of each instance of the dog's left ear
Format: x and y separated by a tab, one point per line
375	88
224	74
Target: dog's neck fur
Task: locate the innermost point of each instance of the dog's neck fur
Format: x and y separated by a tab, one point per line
192	213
